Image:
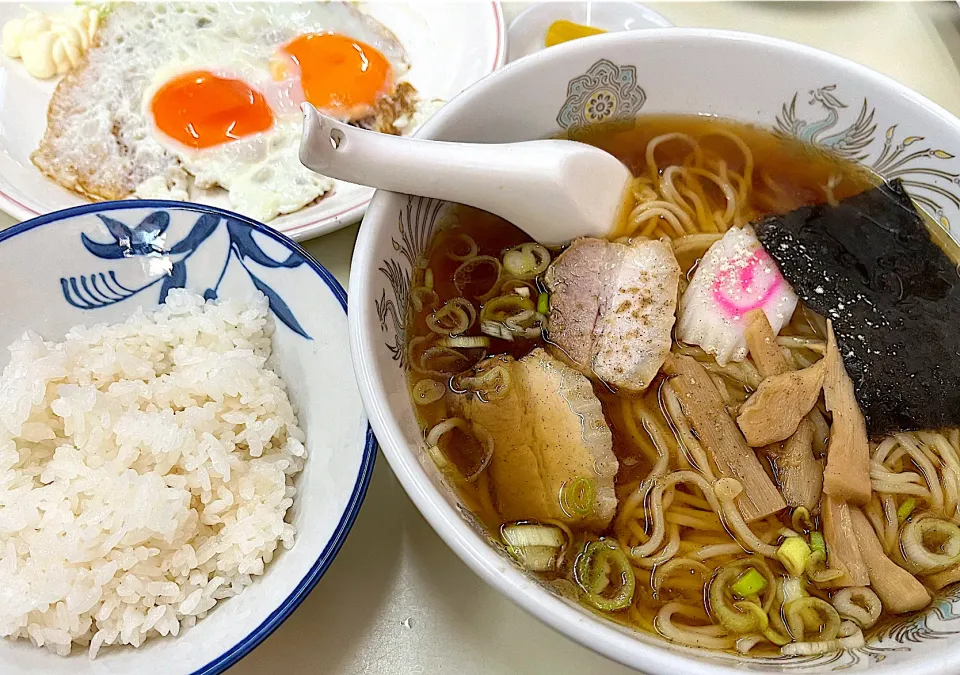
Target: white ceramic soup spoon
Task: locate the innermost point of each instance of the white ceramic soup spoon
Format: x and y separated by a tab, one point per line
554	190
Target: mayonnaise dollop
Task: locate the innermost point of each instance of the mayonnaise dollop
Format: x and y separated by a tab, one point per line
49	43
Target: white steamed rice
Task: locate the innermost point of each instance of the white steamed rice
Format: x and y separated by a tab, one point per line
145	472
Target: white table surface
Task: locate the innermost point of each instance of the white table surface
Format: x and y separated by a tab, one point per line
396	601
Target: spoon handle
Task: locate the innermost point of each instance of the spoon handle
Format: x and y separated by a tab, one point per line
458	172
555	190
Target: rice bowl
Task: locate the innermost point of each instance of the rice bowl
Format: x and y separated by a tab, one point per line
280	315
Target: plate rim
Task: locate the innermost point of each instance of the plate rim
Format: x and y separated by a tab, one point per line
351	213
254	638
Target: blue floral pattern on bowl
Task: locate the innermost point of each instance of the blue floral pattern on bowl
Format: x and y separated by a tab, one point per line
605	93
146	239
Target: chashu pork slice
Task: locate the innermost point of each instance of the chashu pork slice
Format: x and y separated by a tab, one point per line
549	434
612	307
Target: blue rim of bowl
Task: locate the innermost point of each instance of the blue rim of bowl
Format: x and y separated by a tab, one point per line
246	645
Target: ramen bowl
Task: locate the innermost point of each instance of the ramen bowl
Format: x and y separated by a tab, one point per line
790	89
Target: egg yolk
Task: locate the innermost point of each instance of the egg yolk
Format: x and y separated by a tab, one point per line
338	74
200	109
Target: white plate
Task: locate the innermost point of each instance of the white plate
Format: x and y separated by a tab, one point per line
528	30
450	46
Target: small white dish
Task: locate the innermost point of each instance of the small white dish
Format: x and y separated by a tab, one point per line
68	268
450	46
528	30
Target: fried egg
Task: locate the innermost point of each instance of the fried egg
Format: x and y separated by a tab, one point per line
214	91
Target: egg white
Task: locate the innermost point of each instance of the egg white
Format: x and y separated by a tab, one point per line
261	172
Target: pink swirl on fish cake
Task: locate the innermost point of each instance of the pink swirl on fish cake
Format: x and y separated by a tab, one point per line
747	283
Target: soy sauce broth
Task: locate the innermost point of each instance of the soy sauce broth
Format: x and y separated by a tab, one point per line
786	174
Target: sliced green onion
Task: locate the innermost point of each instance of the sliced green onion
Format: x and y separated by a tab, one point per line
755	611
794	553
800	519
470	281
510	316
433	436
535	558
860	604
577	496
467	241
428	279
750	583
442	361
543	303
421	297
529	534
776	637
817	543
929	545
519	287
519	322
492	383
803	615
817	570
597	569
505	307
526	260
736	617
496	329
464	342
905	509
483	437
426	392
438	457
455	317
792	588
536	547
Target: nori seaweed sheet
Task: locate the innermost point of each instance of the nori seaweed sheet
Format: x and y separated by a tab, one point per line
870	265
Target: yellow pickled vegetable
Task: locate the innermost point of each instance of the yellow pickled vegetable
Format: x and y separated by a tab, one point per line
564	31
